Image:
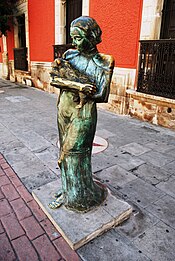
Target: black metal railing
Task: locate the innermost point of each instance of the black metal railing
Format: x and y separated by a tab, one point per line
20	59
156	73
59	49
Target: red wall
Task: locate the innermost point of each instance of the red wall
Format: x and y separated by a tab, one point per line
41	29
120	22
10	43
1	50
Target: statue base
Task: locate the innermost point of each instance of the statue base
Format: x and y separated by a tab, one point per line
79	228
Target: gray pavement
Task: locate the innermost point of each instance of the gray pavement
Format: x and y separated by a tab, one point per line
138	166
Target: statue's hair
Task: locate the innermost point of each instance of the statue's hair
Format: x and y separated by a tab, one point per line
90	27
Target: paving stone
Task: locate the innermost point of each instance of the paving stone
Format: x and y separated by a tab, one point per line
103	160
151	174
141	193
21	209
32	227
128	162
49	132
10	173
121	140
32	140
47	154
15	181
6	251
170	153
5	208
24	249
111	246
17	155
29	168
139	221
4	166
36	210
45	248
24	193
168	186
1	172
2	161
40	178
12	226
160	146
64	249
15	99
156	158
4	180
170	167
1	228
50	229
105	133
164	209
14	145
10	192
157	242
135	149
1	194
115	176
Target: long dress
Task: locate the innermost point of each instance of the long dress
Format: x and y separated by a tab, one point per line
76	133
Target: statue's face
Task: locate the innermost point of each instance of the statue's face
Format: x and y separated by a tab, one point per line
79	39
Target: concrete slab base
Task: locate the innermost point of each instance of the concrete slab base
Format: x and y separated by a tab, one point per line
79	228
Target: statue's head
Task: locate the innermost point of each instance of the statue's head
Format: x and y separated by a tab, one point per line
85	33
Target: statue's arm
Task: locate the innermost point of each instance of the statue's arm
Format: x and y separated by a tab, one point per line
65	84
103	86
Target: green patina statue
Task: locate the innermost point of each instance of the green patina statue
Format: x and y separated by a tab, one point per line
83	76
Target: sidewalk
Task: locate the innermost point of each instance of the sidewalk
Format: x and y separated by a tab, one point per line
138	166
25	232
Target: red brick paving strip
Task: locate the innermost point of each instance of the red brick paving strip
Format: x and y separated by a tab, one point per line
50	229
10	192
1	228
5	208
32	227
46	249
1	195
21	209
1	172
24	249
12	226
37	211
4	181
25	231
6	251
24	193
65	250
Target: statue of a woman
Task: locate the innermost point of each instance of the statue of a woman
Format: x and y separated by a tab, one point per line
90	77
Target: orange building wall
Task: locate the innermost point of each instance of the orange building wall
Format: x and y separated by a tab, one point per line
1	50
120	21
10	44
41	29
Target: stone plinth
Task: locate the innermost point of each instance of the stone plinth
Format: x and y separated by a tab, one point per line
79	228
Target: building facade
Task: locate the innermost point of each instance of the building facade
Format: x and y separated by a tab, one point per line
140	34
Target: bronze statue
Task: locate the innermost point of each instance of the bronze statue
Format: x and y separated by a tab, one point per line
83	76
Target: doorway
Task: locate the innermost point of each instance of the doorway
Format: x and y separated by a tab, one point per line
168	20
73	10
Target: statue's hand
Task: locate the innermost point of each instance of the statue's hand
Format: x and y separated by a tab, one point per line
88	89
